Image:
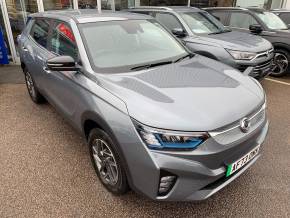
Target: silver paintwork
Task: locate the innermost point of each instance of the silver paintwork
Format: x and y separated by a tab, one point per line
196	95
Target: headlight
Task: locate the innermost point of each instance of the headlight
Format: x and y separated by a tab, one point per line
166	140
241	55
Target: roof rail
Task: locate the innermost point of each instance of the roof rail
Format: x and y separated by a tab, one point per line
152	7
232	8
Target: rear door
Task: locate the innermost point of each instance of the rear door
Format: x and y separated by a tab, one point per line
37	49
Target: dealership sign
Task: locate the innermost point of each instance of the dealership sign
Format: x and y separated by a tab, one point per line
3	50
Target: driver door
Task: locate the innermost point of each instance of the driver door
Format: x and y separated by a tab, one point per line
60	85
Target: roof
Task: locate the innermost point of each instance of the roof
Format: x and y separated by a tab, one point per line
91	15
167	8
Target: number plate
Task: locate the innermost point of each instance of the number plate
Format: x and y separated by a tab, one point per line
242	161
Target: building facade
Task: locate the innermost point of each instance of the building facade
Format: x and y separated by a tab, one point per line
14	13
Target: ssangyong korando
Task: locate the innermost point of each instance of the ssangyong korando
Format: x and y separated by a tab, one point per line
165	122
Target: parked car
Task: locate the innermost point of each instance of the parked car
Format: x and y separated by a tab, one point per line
205	35
284	15
263	23
158	119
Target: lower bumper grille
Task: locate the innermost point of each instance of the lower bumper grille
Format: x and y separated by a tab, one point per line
259	70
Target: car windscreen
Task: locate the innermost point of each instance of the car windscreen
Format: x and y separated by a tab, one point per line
203	23
119	46
272	21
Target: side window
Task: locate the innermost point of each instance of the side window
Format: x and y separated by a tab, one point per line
242	20
39	31
221	16
168	20
285	17
62	40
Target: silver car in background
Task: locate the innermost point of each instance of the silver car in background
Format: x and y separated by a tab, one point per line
158	119
204	34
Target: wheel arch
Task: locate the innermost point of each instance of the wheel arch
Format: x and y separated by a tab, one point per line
23	66
91	120
279	45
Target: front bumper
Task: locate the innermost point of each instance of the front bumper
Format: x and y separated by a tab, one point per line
262	67
200	172
198	180
260	71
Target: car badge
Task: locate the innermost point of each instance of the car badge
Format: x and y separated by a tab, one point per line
245	125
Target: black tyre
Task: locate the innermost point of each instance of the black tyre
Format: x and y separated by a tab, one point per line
281	63
107	163
32	89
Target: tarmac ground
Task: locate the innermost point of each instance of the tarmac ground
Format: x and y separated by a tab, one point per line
45	169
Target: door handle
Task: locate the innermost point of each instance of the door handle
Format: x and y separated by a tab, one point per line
24	49
45	69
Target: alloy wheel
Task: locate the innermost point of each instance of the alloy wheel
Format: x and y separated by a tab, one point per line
30	84
281	63
105	162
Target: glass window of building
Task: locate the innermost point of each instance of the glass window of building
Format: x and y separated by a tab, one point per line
57	4
3	29
124	4
163	2
87	4
18	10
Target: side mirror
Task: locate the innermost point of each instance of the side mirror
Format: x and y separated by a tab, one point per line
179	32
61	63
256	28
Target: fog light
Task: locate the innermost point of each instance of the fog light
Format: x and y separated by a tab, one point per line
166	184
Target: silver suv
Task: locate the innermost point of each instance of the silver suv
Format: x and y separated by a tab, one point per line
205	35
158	119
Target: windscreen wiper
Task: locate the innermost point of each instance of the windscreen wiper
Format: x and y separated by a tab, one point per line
182	58
219	32
215	33
146	66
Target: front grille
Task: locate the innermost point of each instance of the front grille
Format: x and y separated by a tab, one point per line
258	68
233	132
265	54
264	66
